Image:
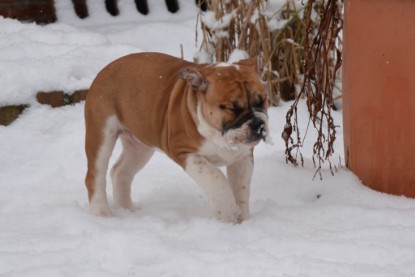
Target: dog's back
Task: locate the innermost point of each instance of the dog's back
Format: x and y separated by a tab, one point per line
136	82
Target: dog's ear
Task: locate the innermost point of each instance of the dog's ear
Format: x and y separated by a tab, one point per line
252	62
194	78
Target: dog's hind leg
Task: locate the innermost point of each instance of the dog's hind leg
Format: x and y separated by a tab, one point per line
99	144
133	158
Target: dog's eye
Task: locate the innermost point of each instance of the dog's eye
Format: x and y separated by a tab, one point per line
238	107
237	110
258	102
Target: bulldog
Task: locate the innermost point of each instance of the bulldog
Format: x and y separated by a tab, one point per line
201	116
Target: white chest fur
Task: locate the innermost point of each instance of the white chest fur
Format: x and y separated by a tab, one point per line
222	155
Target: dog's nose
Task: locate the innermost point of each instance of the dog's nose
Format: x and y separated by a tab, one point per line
257	126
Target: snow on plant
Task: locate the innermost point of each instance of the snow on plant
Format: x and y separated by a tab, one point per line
297	48
263	29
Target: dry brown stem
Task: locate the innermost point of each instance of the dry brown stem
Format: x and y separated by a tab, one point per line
320	71
302	52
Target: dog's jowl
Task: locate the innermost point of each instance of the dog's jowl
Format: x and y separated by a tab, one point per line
201	116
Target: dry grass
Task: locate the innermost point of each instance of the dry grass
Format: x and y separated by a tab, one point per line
299	57
322	61
248	26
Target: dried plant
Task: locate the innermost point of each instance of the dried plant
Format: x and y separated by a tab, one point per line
296	47
240	25
275	38
322	60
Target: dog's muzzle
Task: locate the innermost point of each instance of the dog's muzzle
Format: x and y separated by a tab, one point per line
258	131
249	129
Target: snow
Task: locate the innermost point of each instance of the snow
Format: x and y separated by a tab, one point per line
209	19
298	226
237	55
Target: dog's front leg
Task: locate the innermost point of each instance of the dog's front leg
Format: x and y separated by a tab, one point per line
239	176
215	184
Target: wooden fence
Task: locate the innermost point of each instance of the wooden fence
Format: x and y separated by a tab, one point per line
43	11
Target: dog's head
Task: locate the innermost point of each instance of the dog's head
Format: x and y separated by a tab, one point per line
232	103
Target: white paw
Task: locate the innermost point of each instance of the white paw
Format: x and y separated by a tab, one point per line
100	211
228	213
244	215
129	205
123	200
99	206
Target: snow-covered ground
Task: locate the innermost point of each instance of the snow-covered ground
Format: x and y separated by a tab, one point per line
299	227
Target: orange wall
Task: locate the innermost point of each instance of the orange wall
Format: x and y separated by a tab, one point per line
379	93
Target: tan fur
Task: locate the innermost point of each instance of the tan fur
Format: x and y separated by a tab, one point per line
143	96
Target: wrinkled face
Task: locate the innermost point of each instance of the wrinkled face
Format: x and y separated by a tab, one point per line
234	105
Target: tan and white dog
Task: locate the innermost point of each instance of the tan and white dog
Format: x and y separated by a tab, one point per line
201	116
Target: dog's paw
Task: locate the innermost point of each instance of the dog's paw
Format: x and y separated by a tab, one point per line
130	206
99	207
101	211
231	213
125	202
241	218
